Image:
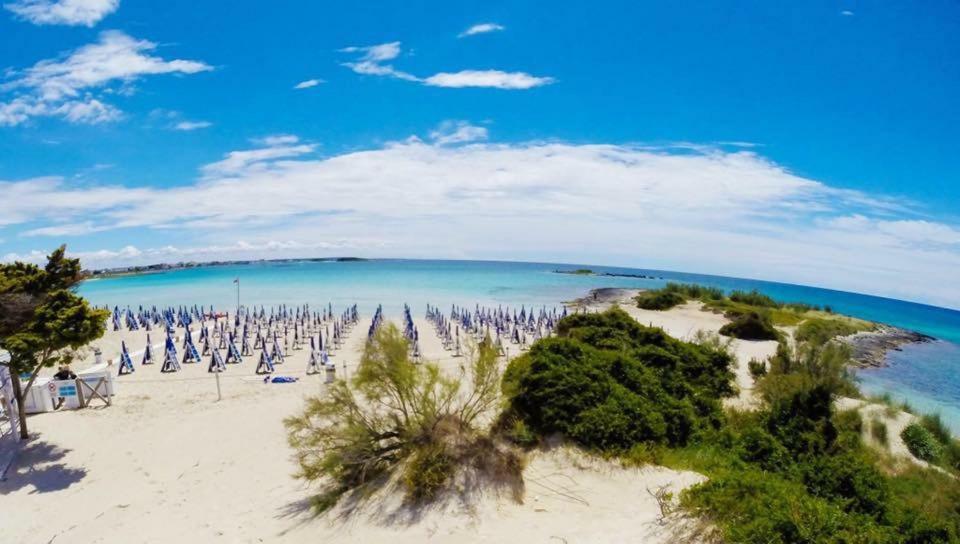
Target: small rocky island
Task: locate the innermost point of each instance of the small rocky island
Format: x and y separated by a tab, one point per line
589	272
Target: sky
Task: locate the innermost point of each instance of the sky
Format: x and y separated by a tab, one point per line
808	142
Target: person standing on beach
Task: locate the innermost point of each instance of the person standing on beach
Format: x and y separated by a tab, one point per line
63	373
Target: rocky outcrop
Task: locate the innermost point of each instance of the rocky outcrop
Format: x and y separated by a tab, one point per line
870	348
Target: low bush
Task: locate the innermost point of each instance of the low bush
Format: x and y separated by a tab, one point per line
878	430
754	506
801	367
921	442
848	481
750	326
934	423
674	294
757	369
754	298
757	445
821	330
801	307
659	300
949	446
692	290
398	417
609	383
428	472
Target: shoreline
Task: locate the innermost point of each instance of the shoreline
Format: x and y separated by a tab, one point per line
159	268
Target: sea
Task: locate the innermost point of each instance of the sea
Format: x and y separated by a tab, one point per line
925	375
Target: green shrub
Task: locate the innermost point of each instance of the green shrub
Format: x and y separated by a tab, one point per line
849	481
803	421
802	366
692	290
641	454
924	506
849	425
801	307
951	454
394	413
428	472
921	442
758	446
939	429
878	430
519	433
821	330
750	326
674	294
760	507
659	300
758	369
608	383
754	298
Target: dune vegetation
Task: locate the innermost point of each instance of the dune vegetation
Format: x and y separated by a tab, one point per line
795	470
755	314
400	421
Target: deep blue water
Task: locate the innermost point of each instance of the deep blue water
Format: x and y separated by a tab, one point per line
924	374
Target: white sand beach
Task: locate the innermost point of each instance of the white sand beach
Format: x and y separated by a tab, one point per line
168	462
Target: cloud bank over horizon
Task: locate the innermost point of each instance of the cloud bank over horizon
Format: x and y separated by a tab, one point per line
714	208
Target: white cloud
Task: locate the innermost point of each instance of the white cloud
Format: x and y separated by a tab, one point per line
707	210
846	13
372	62
902	232
481	28
274	140
86	110
63	12
308	83
68	229
238	163
372	58
51	198
376	53
457	132
738	143
192	125
65	87
487	78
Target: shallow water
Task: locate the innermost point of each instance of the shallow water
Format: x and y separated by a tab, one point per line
923	375
926	375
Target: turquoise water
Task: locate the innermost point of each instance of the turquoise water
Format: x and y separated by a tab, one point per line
925	374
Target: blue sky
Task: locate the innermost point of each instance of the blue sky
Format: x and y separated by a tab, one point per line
813	142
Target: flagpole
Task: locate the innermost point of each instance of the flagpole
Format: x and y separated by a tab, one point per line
237	281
